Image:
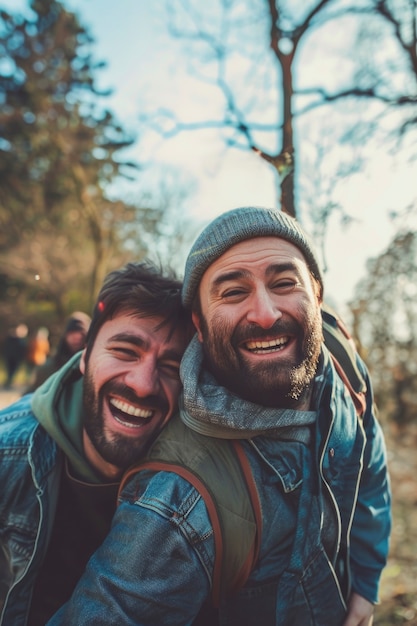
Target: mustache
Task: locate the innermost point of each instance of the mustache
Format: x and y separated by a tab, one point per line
253	331
125	392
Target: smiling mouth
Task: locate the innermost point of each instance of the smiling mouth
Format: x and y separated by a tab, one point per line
266	347
128	414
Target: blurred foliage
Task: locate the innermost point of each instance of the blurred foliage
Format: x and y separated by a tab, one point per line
398	584
60	232
384	313
57	152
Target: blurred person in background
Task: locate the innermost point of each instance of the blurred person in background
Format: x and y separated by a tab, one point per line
72	341
14	352
38	350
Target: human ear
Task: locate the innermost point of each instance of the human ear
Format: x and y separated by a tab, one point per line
197	323
317	290
82	362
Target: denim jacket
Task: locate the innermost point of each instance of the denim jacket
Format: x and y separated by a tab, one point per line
156	565
30	465
31	462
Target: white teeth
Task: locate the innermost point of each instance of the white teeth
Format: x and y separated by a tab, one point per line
267	345
128	424
129	409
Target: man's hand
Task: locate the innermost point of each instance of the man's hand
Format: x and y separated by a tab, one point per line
360	612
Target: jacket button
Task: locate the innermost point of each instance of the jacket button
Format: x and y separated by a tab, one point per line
331	452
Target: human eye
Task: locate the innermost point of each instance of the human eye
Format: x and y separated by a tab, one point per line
285	285
171	369
233	293
124	352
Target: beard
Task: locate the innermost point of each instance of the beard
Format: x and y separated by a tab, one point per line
115	448
278	383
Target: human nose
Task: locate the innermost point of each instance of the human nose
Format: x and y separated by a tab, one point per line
142	377
264	310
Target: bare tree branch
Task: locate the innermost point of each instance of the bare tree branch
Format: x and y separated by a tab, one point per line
409	48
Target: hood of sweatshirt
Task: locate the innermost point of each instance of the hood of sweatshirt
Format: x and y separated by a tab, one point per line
57	405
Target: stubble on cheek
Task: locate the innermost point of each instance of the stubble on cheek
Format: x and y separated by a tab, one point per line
303	375
218	343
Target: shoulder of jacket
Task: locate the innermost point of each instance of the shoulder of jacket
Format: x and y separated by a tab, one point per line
20	408
18	424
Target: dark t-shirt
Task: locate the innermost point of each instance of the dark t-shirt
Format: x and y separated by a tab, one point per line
83	518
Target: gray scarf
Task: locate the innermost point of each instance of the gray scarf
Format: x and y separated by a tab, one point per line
210	409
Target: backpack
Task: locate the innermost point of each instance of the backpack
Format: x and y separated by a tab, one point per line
343	352
221	473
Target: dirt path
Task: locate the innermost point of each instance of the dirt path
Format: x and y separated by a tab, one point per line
399	579
7	396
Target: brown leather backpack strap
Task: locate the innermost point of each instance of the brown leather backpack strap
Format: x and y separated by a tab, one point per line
358	397
253	554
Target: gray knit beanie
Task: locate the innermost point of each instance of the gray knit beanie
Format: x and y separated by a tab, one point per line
238	225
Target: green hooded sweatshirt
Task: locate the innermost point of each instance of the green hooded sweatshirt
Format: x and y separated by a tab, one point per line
57	405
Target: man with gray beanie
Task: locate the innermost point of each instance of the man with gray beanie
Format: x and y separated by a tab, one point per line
308	545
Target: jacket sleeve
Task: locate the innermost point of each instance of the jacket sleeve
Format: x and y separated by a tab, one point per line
153	567
372	520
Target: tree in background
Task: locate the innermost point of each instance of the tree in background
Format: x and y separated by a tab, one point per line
386	59
247	51
161	225
57	154
384	311
61	230
287	73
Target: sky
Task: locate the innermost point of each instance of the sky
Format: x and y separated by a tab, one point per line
146	68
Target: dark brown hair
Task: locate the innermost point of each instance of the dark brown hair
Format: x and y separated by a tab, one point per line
144	290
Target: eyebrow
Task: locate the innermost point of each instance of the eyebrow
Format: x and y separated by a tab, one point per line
140	342
130	338
224	278
275	268
279	268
